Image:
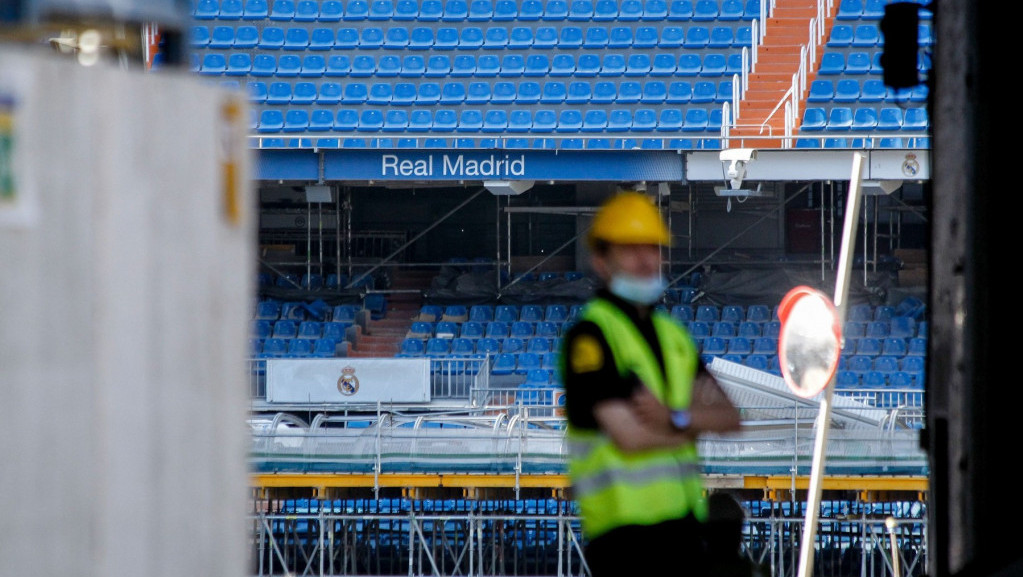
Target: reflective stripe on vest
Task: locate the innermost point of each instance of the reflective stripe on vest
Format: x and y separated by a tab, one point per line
615	488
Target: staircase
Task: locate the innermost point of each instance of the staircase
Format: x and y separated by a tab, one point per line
787	30
382	337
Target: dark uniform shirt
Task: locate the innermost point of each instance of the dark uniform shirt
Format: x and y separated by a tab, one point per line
590	372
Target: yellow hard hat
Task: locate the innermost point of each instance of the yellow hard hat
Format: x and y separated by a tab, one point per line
629	218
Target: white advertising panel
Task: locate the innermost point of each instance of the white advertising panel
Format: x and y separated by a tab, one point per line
347	380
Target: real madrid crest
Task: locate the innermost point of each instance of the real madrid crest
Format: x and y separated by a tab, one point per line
348	383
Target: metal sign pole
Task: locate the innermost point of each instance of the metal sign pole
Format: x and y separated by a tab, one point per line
824	417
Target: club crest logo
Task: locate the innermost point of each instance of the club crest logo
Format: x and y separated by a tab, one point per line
348	384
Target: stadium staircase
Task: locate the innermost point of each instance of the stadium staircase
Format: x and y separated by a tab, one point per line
778	60
381	337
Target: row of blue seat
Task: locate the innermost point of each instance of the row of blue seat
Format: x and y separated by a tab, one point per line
710	65
883	142
858	63
869	9
482	93
495	143
865	119
507	313
569	120
890	345
469	38
476	10
264	328
280	348
464	346
847	90
486	329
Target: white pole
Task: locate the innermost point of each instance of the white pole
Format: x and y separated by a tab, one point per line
824	417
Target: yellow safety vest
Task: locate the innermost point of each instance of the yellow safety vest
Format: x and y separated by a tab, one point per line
611	487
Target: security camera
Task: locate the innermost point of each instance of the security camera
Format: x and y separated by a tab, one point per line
737	159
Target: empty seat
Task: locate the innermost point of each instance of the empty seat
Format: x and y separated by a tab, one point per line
814	120
890	118
704	92
697	37
721	37
840	118
915	119
821	90
866	35
832	63
846	90
841	36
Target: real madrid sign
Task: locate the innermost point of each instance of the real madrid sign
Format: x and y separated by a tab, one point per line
347	380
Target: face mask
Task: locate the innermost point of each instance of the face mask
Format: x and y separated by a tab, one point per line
639	290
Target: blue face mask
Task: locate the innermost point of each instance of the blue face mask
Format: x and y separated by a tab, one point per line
638	290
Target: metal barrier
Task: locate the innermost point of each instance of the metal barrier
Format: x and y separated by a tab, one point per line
542	538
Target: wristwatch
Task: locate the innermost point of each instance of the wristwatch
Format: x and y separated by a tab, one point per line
681	419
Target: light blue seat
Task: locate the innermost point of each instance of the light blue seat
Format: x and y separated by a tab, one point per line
570	120
689	64
520	38
470	38
495	38
256	90
671	37
321	120
670	120
363	66
847	90
620	37
371	38
721	37
578	92
619	120
638	64
346	39
512	65
629	92
536	65
555	10
849	10
655	10
213	64
821	90
355	93
695	120
289	65
470	120
613	64
866	35
595	120
714	64
430	11
704	92
405	11
654	92
873	90
832	63
890	118
545	120
206	10
271	120
915	119
604	93
503	93
396	38
554	92
840	118
278	93
313	66
680	10
630	10
231	10
455	11
421	38
841	36
570	37
272	38
528	93
445	120
303	93
420	121
505	11
477	93
858	63
562	65
452	93
697	37
221	37
679	92
530	10
296	39
645	37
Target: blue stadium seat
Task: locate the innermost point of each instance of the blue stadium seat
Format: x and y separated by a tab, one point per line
452	93
721	37
697	37
714	64
840	118
644	120
689	64
679	92
814	119
866	35
821	90
832	63
915	119
890	118
680	10
604	93
231	10
221	37
670	120
873	90
355	93
858	63
672	37
470	120
528	93
849	10
873	9
847	90
695	120
654	92
520	38
303	93
470	38
704	92
570	37
536	65
620	37
619	120
213	64
629	92
645	37
841	36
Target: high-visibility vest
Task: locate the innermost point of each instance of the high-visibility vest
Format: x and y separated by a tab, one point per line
611	487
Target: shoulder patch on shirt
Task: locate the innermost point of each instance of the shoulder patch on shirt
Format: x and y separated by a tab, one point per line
586	355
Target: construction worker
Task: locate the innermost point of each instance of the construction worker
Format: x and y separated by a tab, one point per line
637	396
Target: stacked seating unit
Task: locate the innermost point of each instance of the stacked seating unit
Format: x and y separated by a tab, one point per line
848	103
479	73
298	329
